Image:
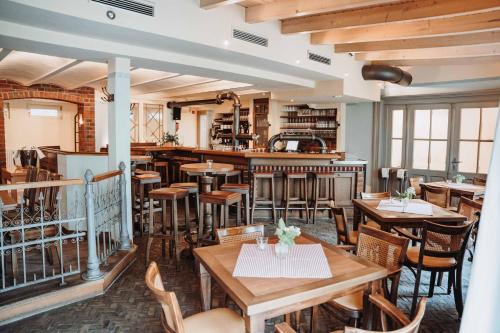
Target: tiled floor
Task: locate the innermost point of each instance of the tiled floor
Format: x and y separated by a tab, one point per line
129	307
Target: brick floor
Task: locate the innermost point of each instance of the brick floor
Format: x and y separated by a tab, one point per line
129	307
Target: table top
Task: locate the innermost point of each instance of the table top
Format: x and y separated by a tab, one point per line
460	187
261	295
16	172
369	207
218	168
7	200
140	158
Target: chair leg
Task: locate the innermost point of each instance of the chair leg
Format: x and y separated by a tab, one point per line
316	197
141	207
254	199
287	198
440	279
226	215
458	291
451	281
247	208
150	230
200	225
305	199
273	201
164	225
176	235
432	283
415	293
314	319
197	203
186	211
238	213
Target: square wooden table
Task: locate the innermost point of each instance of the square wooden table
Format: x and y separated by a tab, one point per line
469	191
388	219
264	298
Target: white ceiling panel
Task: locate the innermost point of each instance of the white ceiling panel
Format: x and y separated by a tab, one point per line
205	87
169	83
80	74
142	75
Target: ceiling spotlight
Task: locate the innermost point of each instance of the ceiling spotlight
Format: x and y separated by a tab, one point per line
292	100
225	43
111	14
346	74
297	61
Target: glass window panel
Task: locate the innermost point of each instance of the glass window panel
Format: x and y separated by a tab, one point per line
438	155
488	123
469	123
153	122
439	128
420	154
485	149
467	155
396	152
397	123
422	124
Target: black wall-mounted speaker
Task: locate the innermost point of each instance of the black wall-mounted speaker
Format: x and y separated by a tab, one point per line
177	113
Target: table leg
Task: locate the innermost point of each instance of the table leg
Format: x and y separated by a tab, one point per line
356	218
255	324
205	288
206	187
371	288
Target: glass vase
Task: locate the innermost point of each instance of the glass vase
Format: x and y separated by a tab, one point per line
281	250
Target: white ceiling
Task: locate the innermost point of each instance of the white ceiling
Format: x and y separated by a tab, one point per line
31	68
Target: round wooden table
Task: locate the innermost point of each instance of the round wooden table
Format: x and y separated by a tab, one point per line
206	176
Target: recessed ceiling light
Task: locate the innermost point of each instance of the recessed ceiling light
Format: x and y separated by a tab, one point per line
346	74
297	61
225	43
292	100
111	14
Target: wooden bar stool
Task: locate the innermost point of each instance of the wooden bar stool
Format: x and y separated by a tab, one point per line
217	198
192	188
162	168
140	182
163	195
244	190
301	198
257	177
319	179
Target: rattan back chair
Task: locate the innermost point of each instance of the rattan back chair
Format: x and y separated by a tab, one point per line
239	234
439	196
471	209
344	236
442	249
479	181
415	183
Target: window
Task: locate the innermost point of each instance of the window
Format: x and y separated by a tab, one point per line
397	138
44	111
153	122
430	139
477	131
134	122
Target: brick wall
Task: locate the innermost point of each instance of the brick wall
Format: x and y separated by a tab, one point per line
83	97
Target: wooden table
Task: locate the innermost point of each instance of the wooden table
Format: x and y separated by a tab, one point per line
206	178
387	219
264	298
470	191
13	176
8	201
141	159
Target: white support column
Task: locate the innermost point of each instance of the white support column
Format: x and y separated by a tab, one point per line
482	305
119	123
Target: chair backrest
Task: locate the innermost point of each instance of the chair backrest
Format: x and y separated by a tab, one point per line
31	173
375	195
415	183
172	316
340	219
383	248
439	196
469	208
444	241
479	181
239	234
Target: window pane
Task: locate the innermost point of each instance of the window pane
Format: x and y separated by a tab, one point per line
468	156
420	154
422	124
488	123
469	123
397	123
438	155
439	124
396	152
485	149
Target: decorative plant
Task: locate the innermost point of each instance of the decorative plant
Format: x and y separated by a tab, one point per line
408	194
286	235
459	178
169	138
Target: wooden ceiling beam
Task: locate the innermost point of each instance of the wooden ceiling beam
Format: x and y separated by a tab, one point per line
399	30
438	62
487	37
282	9
405	11
47	76
432	53
209	4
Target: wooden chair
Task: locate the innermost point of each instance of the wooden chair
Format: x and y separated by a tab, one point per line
439	196
239	234
344	235
441	249
216	320
471	209
415	183
380	247
374	196
387	309
479	181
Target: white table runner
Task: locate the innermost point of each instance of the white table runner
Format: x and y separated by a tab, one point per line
414	207
303	261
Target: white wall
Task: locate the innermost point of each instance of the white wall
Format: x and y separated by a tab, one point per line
101	121
188	125
24	130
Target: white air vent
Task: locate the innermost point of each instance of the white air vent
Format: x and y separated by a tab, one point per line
130	5
250	38
319	58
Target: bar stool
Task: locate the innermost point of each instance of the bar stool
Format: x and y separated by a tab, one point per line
162	168
192	188
301	199
141	181
327	179
244	190
262	176
217	198
163	195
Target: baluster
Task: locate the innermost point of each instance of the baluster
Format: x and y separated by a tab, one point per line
124	236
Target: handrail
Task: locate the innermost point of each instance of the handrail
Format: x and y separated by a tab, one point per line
106	175
42	184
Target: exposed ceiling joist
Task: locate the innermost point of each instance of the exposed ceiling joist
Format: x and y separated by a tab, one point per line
438	62
169	76
282	9
422	28
4	53
405	11
209	4
205	87
477	38
433	53
47	76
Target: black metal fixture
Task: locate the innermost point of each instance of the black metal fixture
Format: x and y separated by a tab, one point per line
386	73
108	97
111	14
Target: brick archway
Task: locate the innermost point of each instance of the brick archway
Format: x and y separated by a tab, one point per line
83	97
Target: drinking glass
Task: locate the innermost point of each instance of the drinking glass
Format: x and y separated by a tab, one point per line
262	242
210	164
